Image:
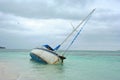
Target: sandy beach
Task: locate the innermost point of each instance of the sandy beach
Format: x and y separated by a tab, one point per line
7	72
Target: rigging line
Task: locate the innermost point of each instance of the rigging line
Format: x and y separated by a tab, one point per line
77	27
77	34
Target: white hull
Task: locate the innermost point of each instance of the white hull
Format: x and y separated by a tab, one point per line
47	56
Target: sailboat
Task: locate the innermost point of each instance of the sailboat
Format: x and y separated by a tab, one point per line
48	55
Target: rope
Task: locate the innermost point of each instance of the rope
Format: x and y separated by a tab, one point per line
76	36
87	18
77	27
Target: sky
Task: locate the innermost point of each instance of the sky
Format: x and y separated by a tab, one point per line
26	24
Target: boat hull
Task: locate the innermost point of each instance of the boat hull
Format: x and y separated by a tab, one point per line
45	56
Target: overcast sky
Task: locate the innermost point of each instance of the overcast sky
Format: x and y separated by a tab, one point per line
25	24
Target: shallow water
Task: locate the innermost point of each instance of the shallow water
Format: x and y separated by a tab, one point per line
79	65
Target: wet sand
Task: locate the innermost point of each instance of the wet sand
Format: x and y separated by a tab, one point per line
7	72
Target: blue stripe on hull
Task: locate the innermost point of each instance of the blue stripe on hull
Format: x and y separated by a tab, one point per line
37	58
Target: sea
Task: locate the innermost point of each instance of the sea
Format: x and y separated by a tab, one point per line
79	65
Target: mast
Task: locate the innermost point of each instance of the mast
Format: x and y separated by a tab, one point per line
75	29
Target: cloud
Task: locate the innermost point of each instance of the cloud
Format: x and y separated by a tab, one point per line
26	26
62	9
19	31
38	22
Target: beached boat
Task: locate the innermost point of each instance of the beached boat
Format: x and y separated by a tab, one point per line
48	55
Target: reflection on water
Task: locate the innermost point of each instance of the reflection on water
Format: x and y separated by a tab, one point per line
43	72
52	68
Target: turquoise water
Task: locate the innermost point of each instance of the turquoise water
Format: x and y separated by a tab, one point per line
79	65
